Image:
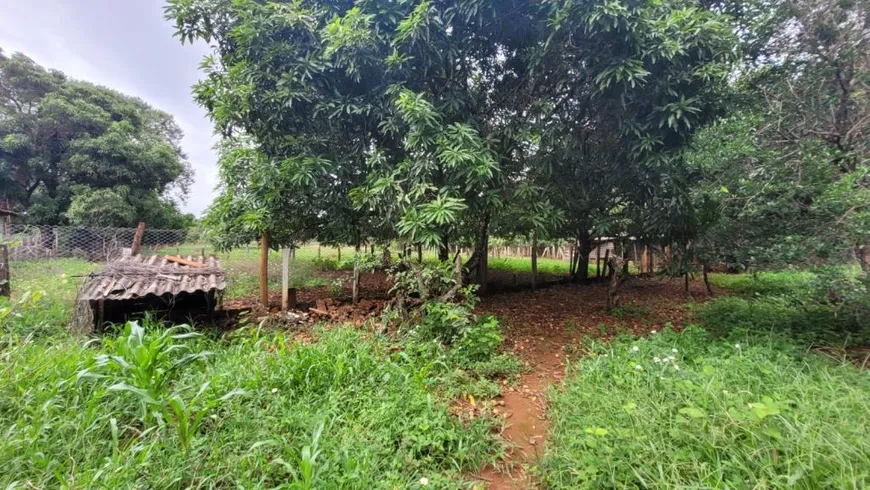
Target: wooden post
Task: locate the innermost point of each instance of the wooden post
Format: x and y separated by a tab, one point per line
318	251
264	269
285	279
137	239
419	253
534	252
339	253
355	286
597	259
607	263
5	277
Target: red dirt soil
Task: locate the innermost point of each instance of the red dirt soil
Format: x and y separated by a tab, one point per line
539	326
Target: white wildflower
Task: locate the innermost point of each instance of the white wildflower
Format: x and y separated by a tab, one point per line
654	332
424	481
274	390
638	367
672	358
676	367
635	348
674	351
657	359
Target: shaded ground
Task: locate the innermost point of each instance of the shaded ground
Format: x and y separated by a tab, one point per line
542	327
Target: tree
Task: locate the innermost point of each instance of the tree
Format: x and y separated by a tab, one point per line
434	116
66	144
788	168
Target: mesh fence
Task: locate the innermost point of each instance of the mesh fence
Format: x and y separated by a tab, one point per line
28	242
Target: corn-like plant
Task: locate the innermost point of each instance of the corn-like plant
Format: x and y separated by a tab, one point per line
146	364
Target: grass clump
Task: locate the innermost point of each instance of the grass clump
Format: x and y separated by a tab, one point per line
681	410
170	409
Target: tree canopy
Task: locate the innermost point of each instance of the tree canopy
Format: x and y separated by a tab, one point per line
439	122
75	153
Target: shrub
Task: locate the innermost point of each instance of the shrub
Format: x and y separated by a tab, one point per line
681	410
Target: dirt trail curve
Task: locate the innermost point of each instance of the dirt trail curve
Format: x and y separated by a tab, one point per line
539	326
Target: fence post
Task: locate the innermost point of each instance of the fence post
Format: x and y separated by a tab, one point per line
264	270
137	239
285	279
5	286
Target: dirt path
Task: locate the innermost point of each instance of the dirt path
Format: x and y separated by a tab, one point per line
540	328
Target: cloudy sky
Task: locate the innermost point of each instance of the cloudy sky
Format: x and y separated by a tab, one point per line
125	45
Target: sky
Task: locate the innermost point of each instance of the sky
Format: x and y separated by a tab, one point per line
125	45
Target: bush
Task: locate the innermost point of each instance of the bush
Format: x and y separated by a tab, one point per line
681	410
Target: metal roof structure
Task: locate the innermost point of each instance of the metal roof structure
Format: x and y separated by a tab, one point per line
134	277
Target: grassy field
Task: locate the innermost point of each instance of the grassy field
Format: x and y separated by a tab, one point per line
162	409
736	401
684	410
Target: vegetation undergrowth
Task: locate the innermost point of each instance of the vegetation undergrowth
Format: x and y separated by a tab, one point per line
823	307
162	408
682	410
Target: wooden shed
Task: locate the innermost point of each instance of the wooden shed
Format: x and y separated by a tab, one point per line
129	287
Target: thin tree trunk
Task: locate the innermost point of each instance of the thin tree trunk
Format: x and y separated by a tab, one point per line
443	252
419	253
616	279
534	260
355	286
706	280
264	269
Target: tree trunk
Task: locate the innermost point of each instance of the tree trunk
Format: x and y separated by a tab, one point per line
861	255
264	269
419	253
534	252
481	250
443	252
581	256
706	281
615	263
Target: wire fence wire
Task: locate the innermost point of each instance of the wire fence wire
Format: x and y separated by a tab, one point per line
36	242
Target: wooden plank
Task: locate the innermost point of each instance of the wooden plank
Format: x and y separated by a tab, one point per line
178	260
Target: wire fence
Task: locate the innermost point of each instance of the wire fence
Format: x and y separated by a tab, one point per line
34	242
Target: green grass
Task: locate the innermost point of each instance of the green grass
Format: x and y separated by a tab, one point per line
795	304
524	265
755	415
765	283
253	410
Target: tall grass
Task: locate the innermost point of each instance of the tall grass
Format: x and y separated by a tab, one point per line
152	409
681	410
